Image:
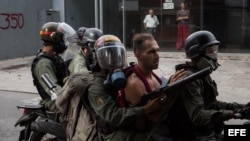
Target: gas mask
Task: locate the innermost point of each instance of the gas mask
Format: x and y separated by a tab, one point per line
209	58
116	79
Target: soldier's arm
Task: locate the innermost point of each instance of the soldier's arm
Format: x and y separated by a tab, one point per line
46	66
105	106
194	105
78	64
228	106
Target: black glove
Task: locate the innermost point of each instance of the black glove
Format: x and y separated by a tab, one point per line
243	113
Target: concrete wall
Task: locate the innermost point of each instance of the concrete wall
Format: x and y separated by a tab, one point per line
19	27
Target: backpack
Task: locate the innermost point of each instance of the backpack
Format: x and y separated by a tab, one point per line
72	103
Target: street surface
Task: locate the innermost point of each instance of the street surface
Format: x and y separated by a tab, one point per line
16	86
10	114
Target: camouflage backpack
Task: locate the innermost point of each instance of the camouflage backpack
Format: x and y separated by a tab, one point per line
77	116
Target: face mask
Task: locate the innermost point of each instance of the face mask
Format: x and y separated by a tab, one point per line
212	52
205	62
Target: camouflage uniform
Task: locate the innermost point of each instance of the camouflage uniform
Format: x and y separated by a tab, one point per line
196	113
121	120
78	63
54	67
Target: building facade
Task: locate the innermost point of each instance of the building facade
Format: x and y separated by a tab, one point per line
228	20
20	21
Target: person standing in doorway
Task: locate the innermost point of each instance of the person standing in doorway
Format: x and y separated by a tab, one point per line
182	19
150	22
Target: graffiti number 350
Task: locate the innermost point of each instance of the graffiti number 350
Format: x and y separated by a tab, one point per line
12	20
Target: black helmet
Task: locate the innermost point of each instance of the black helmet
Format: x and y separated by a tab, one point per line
91	35
49	33
197	43
53	33
81	31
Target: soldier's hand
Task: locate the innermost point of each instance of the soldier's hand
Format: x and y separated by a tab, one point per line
243	113
155	104
179	74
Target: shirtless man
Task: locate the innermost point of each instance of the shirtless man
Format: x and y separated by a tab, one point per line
146	51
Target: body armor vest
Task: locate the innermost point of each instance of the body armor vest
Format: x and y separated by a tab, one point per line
209	93
60	71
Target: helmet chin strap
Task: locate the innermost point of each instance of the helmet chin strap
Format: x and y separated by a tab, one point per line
206	61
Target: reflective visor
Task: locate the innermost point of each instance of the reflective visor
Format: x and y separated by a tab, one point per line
212	51
69	33
111	57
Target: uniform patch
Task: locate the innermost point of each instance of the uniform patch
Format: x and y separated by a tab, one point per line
99	101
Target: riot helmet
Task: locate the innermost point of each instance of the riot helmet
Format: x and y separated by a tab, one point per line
204	45
91	35
108	53
89	38
56	34
80	33
197	43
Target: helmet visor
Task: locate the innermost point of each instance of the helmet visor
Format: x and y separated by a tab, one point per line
70	34
111	57
212	51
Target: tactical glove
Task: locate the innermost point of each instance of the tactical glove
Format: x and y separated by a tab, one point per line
243	113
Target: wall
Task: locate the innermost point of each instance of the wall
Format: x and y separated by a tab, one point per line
112	18
80	13
19	27
58	5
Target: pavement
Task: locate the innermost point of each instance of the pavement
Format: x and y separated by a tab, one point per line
233	77
16	76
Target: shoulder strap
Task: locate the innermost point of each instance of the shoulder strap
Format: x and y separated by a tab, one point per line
142	77
133	68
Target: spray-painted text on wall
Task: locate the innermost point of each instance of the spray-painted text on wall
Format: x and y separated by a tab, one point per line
11	21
